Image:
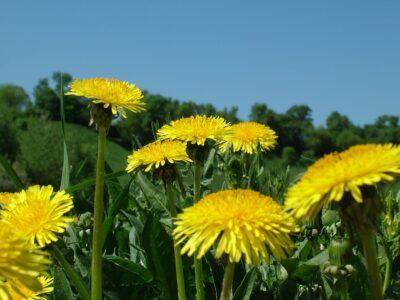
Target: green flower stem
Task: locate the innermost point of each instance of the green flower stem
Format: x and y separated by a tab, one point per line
180	182
177	248
226	293
342	287
98	217
367	236
198	267
72	275
389	264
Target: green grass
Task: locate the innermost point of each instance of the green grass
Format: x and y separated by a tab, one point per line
40	156
115	154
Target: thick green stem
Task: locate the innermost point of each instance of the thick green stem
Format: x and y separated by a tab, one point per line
367	236
226	293
177	248
198	267
72	275
98	218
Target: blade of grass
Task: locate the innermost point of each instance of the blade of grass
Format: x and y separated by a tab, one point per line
246	286
90	182
71	273
209	162
65	169
11	173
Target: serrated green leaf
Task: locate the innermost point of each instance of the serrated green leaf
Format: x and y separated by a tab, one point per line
160	258
116	205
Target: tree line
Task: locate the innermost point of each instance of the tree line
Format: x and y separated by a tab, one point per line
298	136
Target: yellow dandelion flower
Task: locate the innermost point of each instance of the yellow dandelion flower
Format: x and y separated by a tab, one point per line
20	263
248	136
120	95
38	214
21	292
337	173
7	198
194	129
157	154
241	222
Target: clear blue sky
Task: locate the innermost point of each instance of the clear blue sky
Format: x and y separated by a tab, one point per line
331	55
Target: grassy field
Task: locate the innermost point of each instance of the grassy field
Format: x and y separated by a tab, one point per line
41	152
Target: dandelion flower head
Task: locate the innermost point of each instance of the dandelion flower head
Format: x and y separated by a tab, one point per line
242	223
38	214
195	129
157	154
21	292
114	93
330	177
248	136
21	263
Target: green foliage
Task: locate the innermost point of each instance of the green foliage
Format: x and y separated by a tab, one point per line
138	255
47	101
320	140
159	110
293	127
347	138
289	155
337	123
41	150
13	98
8	140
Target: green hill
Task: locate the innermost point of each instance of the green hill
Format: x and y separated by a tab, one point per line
40	156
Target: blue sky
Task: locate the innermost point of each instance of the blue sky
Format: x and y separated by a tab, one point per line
330	55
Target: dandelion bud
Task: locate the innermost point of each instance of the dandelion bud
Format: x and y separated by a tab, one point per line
334	270
100	115
350	269
329	217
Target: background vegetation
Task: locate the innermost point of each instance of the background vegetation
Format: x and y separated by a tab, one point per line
138	258
30	132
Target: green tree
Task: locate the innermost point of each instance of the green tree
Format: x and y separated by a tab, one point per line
160	110
320	141
289	155
295	123
337	122
13	97
348	138
142	125
47	100
8	141
261	113
230	114
386	129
